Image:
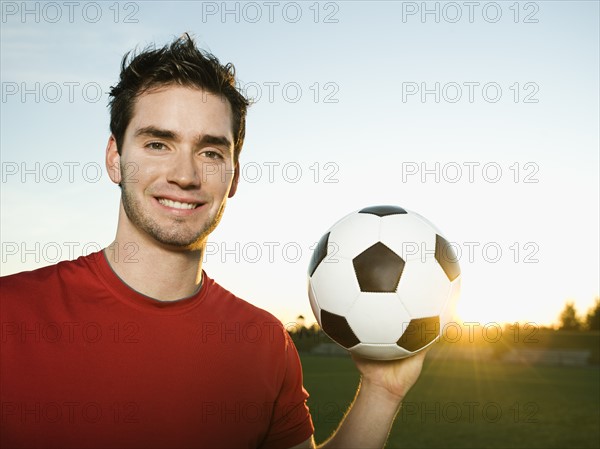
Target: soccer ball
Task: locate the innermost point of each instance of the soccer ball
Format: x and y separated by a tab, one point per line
383	282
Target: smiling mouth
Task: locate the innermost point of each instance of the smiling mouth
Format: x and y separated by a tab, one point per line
177	204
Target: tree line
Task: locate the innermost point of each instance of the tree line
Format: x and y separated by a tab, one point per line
570	320
306	337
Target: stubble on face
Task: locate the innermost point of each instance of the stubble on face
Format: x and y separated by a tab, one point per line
179	235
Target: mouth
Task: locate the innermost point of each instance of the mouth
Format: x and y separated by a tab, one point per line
178	204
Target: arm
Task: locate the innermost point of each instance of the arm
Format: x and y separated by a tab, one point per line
370	417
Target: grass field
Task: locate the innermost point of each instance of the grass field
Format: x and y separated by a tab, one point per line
472	404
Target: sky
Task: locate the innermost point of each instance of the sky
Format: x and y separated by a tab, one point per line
482	118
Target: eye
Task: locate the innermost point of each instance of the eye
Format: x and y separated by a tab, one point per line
157	146
213	154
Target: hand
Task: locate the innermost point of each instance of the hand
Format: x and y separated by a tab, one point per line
382	388
394	377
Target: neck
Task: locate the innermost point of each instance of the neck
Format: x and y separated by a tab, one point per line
156	271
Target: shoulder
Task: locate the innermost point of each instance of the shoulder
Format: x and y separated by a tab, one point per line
41	281
232	313
225	301
29	278
44	273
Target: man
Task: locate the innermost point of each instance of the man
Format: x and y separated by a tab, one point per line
135	346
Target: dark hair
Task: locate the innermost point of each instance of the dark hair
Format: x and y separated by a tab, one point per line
182	63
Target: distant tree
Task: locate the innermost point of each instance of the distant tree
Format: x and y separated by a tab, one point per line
305	338
296	327
569	321
592	320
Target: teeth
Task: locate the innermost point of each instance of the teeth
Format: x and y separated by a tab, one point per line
176	204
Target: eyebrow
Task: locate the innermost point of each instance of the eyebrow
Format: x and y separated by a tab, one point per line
204	139
152	131
208	139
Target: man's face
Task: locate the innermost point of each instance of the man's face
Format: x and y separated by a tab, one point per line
176	165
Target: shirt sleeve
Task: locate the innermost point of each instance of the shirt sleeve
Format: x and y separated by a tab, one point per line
291	423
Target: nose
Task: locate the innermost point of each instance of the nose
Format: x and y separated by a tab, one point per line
183	171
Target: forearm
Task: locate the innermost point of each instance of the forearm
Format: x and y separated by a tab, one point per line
368	421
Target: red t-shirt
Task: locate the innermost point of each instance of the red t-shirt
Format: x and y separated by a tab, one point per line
87	362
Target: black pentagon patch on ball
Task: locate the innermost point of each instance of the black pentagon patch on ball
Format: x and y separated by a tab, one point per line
378	269
446	257
419	333
382	211
318	254
338	329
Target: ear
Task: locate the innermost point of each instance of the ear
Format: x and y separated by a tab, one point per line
113	160
234	182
